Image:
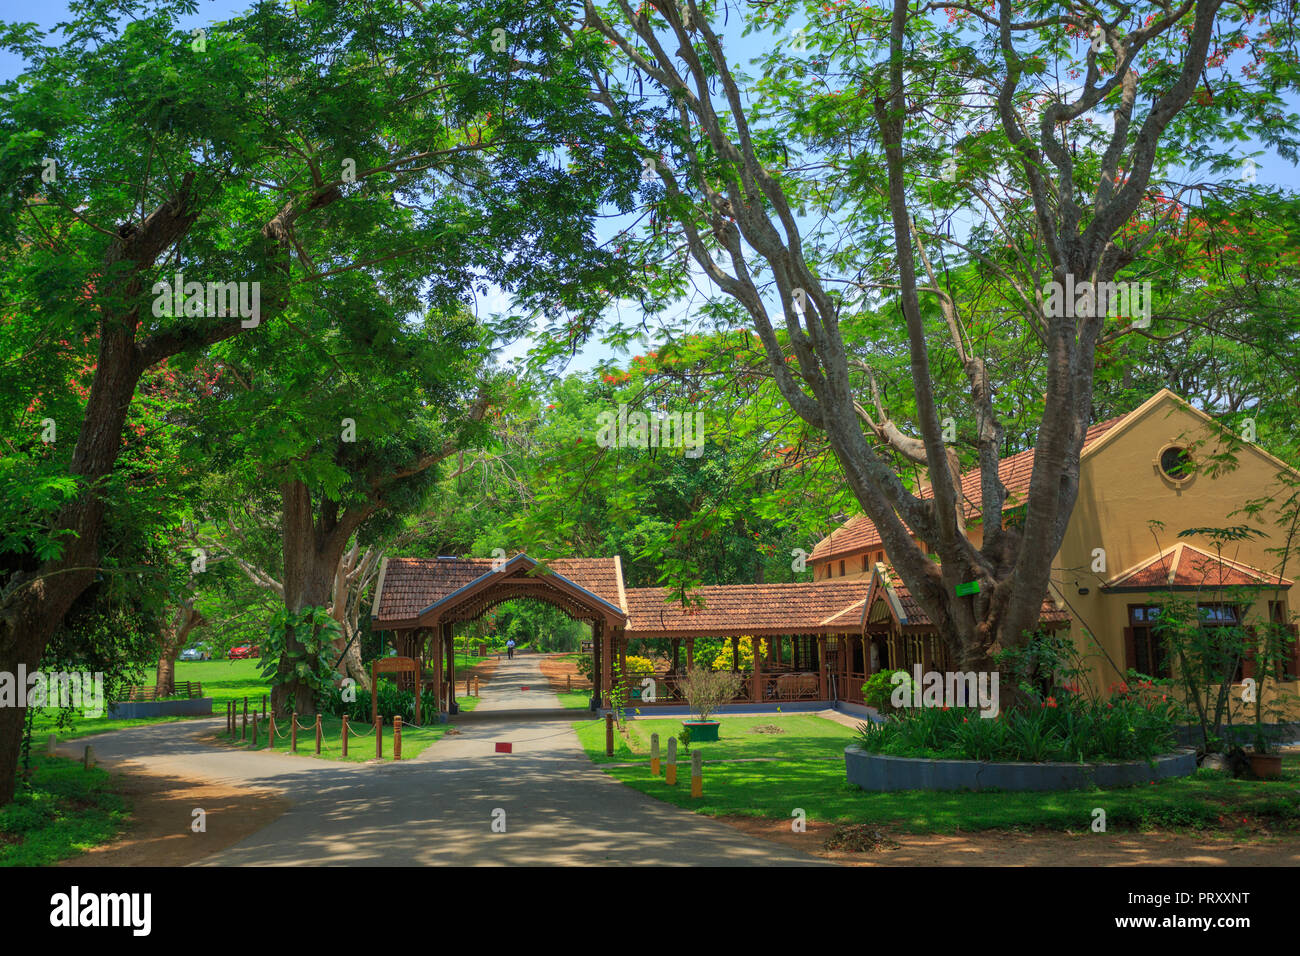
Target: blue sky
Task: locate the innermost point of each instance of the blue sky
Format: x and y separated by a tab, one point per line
1272	170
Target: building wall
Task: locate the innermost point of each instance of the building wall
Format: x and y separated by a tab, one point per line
1124	499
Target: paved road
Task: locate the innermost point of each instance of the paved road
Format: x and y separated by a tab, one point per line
439	808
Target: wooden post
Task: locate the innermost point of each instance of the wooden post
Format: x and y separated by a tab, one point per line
568	683
654	755
293	731
821	666
230	718
670	773
735	653
254	730
345	735
697	773
756	681
244	734
419	681
88	758
690	654
397	737
609	735
318	735
597	666
379	739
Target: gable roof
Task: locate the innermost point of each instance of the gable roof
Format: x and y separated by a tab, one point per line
1187	567
413	588
906	612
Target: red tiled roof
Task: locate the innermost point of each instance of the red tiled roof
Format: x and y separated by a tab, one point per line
740	609
408	586
859	533
1187	566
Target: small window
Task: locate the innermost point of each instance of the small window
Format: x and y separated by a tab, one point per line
841	569
865	562
1176	463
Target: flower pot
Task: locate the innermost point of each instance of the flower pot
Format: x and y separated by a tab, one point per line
1264	766
702	731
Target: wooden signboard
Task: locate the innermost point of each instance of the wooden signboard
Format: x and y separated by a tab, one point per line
587	646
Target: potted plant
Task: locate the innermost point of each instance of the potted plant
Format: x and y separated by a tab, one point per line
705	692
1272	650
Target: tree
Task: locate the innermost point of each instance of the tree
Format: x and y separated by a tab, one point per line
737	167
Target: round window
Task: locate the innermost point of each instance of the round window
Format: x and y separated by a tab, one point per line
1176	463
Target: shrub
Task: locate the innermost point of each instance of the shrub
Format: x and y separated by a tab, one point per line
707	690
1075	729
879	689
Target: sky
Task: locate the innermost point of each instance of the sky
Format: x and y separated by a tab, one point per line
1271	169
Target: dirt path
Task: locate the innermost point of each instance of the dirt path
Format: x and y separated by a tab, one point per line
562	673
163	812
1034	849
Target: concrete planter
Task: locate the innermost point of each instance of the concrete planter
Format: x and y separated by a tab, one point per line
702	731
193	707
879	772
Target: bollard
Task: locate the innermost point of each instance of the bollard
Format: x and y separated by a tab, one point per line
397	738
293	731
697	773
230	718
254	730
609	735
379	738
244	733
568	683
88	758
51	743
318	735
670	773
345	735
654	755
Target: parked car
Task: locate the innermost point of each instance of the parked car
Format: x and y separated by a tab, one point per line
244	651
199	652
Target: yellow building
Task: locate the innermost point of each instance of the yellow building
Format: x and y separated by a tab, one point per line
1145	477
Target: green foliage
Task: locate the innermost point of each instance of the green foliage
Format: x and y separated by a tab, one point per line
878	691
1077	729
297	648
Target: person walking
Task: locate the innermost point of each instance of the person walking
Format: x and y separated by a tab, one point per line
510	649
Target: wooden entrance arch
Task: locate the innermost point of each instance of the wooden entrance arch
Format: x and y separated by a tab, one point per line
421	599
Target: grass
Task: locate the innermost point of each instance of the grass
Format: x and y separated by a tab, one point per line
1206	801
361	747
66	811
574	699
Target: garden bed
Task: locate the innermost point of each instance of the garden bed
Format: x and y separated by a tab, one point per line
879	772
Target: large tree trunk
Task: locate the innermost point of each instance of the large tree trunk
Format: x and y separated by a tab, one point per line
313	548
174	635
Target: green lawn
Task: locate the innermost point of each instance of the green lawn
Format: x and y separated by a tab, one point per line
1204	801
67	810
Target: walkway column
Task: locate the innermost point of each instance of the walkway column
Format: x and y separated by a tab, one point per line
436	657
597	663
690	654
756	688
821	666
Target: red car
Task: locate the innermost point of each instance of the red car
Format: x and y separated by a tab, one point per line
244	651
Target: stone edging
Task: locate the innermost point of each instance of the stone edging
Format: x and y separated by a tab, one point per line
880	772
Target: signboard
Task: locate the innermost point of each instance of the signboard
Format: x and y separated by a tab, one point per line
588	647
393	665
968	588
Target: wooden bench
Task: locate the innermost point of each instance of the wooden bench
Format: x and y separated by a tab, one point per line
184	688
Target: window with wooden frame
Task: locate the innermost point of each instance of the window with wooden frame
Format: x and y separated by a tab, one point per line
1144	652
1290	667
1219	617
841	569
